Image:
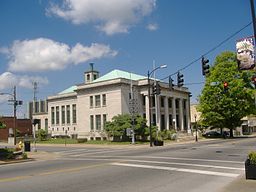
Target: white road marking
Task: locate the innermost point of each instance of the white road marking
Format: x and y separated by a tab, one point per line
178	169
159	162
173	158
101	151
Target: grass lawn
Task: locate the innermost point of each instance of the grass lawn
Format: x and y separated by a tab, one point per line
74	141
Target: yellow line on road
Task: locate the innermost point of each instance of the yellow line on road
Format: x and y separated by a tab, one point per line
68	170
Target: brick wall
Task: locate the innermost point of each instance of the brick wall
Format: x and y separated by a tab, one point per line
24	126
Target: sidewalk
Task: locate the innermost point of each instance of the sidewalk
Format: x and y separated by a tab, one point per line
240	185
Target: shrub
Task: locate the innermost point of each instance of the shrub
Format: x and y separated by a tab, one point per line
24	155
6	154
41	135
81	140
252	157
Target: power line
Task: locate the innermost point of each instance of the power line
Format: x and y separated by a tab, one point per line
197	83
211	50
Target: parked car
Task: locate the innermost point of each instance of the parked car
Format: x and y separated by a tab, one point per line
212	134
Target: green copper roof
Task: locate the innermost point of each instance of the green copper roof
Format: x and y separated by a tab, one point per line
116	74
68	90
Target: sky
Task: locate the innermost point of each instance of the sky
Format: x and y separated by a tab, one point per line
53	42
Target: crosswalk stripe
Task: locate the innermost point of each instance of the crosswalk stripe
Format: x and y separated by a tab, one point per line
158	162
178	169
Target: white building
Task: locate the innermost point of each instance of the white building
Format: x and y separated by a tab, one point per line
82	110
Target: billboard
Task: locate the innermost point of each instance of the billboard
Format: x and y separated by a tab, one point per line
245	53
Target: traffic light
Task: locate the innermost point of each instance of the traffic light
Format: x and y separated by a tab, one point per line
171	85
156	89
225	86
180	80
205	66
254	81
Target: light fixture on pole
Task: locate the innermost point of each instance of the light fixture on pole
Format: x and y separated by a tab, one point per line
149	101
15	103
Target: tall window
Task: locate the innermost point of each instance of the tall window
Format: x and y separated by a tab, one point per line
36	107
74	113
97	100
68	114
170	102
162	101
91	122
63	115
98	122
52	116
104	100
42	106
91	101
57	115
104	120
46	124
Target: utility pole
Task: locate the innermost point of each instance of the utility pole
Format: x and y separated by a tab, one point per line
14	113
253	20
132	110
34	91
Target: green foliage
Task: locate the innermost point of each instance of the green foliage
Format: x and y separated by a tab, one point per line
41	135
6	154
226	109
24	155
2	125
117	127
252	157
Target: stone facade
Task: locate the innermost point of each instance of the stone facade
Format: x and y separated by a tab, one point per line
82	110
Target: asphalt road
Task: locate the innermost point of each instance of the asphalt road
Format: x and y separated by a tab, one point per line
193	167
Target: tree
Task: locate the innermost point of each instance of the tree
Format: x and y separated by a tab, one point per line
224	108
117	127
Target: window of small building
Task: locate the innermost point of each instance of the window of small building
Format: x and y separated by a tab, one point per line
91	101
104	101
98	122
97	100
68	114
91	122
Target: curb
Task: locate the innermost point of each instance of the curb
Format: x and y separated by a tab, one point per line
16	161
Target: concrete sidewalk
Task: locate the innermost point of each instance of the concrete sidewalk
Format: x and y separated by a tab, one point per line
240	185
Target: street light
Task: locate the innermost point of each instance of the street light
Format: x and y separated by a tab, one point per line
15	103
149	100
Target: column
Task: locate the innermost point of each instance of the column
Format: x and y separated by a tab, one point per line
188	116
166	113
174	123
181	114
147	109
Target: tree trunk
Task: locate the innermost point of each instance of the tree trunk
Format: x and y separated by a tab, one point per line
231	133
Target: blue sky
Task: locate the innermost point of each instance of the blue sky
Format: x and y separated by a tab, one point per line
53	42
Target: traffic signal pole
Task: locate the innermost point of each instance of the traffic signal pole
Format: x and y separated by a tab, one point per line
253	20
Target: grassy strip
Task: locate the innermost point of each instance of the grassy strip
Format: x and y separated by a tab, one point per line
74	141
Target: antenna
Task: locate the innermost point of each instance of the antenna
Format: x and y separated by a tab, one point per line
34	91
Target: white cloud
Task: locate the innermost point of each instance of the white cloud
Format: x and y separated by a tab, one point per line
152	27
45	54
8	80
109	16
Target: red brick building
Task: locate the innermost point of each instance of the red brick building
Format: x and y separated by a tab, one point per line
24	126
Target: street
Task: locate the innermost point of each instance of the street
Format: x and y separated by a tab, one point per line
194	167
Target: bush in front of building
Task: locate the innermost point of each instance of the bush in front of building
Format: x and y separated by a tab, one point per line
116	128
41	134
6	154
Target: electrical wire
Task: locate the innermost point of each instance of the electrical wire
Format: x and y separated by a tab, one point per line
211	50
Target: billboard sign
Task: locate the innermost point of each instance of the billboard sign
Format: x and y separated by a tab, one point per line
245	53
